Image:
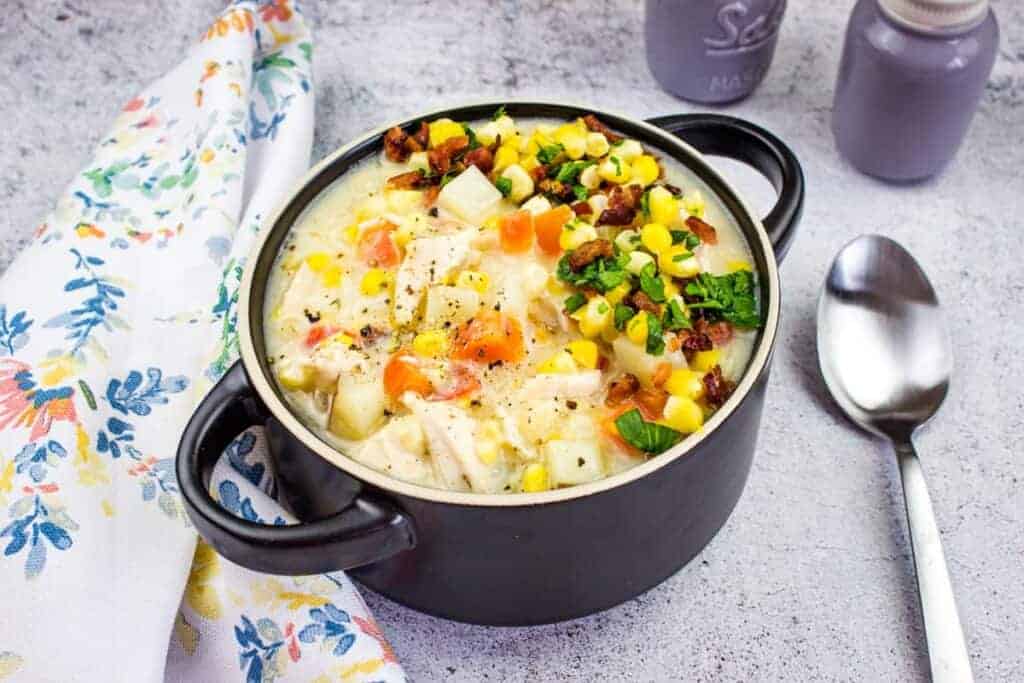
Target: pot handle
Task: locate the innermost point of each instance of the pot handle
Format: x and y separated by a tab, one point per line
741	140
368	530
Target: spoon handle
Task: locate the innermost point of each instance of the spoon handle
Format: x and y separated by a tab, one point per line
947	650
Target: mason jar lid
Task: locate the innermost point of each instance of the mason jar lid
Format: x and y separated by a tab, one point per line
936	16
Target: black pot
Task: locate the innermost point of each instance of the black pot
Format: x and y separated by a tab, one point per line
511	559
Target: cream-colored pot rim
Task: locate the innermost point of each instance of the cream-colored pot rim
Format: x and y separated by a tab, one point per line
668	144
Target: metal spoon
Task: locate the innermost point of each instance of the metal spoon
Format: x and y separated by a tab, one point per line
886	358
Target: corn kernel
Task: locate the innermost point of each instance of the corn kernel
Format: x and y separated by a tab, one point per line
522	183
555	286
295	376
686	383
529	163
636	328
487	451
736	265
584	352
677	261
572	139
431	344
341	339
562	363
351	234
318	261
473	279
535	478
629	150
597	145
331	276
491	223
705	360
615	169
375	281
683	414
638	260
645	169
617	294
594	317
444	129
505	157
693	202
656	238
609	334
576	233
663	206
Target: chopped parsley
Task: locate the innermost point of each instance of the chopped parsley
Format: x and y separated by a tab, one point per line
686	238
498	113
623	314
655	342
645	207
447	178
649	437
618	165
570	171
504	186
471	134
575	302
548	154
581	193
652	285
601	274
675	317
731	297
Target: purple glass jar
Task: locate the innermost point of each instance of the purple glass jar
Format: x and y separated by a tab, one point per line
910	79
711	51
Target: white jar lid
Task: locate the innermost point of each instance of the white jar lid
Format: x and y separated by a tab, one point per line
936	15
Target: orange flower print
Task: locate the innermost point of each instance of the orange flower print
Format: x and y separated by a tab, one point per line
89	230
239	20
370	628
277	10
210	70
24	404
134	104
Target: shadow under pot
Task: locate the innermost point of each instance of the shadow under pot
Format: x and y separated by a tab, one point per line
499	559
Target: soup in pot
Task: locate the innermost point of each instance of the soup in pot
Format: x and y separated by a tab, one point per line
510	305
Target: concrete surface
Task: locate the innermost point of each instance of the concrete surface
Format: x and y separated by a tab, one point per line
811	578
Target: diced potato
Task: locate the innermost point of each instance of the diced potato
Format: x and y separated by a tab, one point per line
629	150
358	407
598	203
534	280
638	260
294	375
590	178
522	183
627	240
419	161
403	201
576	233
487	133
454	305
573	462
536	205
597	145
633	358
693	202
615	169
506	127
470	196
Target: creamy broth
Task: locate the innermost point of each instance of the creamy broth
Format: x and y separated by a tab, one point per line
444	337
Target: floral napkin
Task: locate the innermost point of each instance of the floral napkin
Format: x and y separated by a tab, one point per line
113	324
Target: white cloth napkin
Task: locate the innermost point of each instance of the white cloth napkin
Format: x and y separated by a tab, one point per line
113	324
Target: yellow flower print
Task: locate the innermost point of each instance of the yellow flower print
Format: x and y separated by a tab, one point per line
58	369
187	634
89	230
90	467
6	479
200	594
239	20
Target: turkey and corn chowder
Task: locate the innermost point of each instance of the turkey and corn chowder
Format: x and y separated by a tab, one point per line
505	306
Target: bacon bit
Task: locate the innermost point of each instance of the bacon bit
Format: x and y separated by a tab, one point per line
441	156
582	208
616	215
640	301
694	342
394	144
622	205
539	173
465	383
595	125
621	388
603	363
662	374
672	188
480	157
588	252
705	232
651	403
717	388
421	137
413	180
720	332
555	188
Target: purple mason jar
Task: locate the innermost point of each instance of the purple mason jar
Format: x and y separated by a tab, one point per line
711	51
910	79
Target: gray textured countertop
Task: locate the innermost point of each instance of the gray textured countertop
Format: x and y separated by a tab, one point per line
811	578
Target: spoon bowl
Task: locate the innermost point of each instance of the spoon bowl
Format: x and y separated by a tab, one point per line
886	358
882	343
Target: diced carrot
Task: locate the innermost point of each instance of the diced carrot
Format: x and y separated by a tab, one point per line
548	226
401	375
661	374
488	337
377	249
516	232
318	332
